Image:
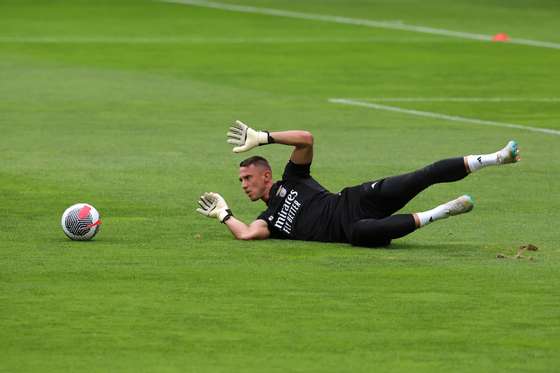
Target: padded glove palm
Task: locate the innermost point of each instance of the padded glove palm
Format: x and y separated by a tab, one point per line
245	138
213	205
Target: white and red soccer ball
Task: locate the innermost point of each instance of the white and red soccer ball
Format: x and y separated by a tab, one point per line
80	222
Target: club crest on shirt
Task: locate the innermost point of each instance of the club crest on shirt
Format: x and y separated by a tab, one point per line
281	192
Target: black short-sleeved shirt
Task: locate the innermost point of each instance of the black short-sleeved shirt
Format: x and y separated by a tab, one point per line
300	208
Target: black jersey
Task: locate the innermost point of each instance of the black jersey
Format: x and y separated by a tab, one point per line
300	208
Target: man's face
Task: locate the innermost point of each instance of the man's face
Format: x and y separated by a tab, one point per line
254	181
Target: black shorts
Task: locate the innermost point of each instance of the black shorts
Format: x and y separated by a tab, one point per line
359	202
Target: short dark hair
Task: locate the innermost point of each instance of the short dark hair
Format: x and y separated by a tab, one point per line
257	161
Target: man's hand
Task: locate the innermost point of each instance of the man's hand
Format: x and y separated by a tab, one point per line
213	205
245	138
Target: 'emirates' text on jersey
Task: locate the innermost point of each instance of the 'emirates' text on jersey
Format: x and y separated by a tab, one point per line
300	208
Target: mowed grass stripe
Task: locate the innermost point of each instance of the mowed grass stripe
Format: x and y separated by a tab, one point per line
209	40
359	22
452	118
456	99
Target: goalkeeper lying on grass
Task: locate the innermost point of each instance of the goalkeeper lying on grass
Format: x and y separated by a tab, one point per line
299	208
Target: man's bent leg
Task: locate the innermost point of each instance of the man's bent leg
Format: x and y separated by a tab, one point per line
389	195
396	191
380	232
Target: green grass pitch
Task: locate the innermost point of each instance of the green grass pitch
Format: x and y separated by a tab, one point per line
125	105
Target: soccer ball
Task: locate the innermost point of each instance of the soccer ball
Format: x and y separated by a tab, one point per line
80	222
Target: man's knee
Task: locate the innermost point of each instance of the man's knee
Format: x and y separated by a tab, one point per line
367	233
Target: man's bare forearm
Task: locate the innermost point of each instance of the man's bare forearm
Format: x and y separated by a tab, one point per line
237	228
303	142
257	230
295	138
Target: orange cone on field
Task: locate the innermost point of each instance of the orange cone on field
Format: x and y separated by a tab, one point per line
501	37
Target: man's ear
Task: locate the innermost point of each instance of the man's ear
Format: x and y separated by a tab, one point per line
267	175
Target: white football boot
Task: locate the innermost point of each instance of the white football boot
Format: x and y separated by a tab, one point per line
460	205
509	154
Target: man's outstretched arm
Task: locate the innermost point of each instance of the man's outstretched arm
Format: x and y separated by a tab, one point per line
213	205
257	230
245	138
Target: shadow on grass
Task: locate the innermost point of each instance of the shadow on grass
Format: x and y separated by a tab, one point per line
448	246
394	246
